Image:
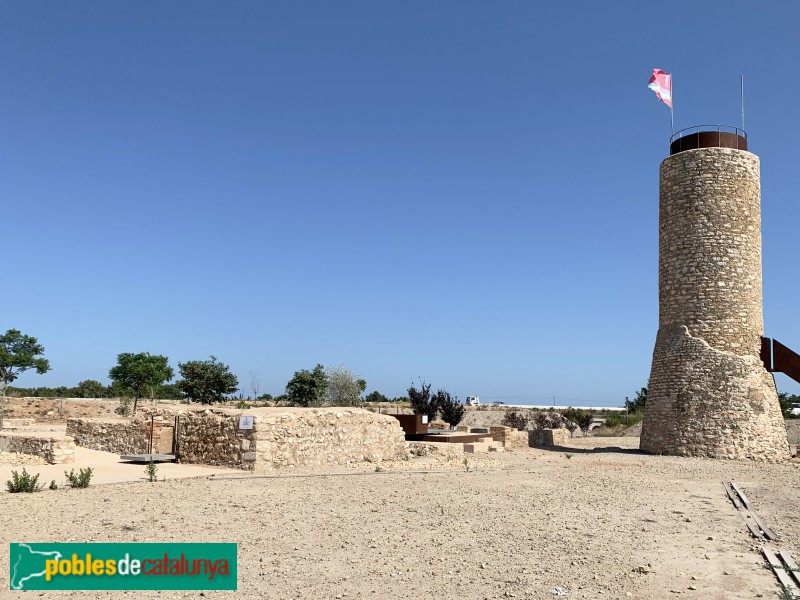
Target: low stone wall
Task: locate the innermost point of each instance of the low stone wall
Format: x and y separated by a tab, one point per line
326	436
549	437
119	436
56	451
294	438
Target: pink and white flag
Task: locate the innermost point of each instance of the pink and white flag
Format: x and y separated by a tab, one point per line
661	84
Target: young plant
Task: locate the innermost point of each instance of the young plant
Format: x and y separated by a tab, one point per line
81	480
151	471
23	483
53	485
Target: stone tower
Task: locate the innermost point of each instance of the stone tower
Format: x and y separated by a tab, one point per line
709	393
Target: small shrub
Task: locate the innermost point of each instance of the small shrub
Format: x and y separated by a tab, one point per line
151	471
515	420
124	407
81	480
452	411
581	418
53	485
617	419
242	405
23	483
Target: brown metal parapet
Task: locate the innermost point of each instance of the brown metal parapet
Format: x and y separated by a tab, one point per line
708	136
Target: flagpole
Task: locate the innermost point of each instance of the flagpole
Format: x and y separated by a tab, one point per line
742	87
672	101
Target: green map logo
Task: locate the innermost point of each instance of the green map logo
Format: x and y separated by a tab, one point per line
89	566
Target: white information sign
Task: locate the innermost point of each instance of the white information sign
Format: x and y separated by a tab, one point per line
246	421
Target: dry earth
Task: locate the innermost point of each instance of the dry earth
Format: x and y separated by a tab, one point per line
516	525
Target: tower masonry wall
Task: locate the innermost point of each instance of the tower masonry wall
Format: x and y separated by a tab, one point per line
709	394
710	247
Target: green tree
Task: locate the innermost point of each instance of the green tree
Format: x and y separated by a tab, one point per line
638	403
422	402
343	388
451	409
206	381
138	372
18	353
308	388
376	397
581	418
786	402
89	388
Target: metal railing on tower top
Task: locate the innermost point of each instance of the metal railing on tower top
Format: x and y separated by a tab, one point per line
708	136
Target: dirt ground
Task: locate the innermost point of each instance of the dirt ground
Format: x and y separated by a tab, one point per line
516	525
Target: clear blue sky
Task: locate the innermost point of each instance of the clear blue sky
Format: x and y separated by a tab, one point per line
461	191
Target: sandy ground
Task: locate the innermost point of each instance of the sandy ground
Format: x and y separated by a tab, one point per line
108	468
516	525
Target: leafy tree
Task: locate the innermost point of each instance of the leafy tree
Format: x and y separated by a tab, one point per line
786	401
421	400
169	391
138	372
307	388
451	409
638	403
206	381
581	418
89	388
18	353
376	397
343	388
515	420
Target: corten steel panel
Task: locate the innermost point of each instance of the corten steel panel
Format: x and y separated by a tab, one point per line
708	139
785	360
412	424
766	353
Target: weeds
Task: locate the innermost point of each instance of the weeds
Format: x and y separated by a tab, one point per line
568	455
151	471
53	485
466	464
81	480
23	483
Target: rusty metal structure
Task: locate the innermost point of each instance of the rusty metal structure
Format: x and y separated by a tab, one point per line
707	136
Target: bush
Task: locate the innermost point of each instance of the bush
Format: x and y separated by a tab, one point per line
422	402
617	419
451	409
550	419
151	471
81	480
581	418
23	483
515	420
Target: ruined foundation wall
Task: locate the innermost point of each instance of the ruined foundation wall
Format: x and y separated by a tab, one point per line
55	451
709	394
294	438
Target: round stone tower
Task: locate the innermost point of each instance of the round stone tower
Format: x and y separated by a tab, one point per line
709	393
